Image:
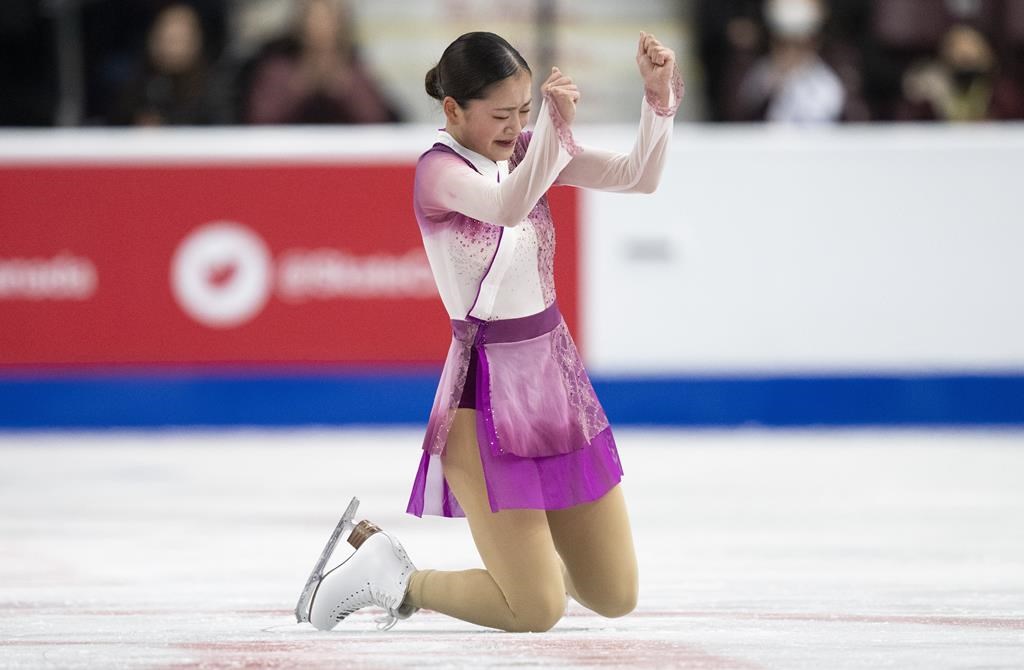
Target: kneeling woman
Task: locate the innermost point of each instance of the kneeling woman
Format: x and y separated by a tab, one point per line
517	441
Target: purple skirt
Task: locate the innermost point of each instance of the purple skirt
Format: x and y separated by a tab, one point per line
544	439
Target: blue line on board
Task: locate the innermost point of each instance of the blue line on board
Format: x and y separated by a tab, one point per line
125	400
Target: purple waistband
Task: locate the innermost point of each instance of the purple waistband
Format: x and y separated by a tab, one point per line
508	330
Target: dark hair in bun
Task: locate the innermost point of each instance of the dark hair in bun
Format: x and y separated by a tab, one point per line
470	65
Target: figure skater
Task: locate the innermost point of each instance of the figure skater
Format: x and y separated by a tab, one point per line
517	441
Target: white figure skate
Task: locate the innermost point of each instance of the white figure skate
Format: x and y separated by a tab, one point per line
377	573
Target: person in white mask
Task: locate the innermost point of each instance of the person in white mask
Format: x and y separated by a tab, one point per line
792	83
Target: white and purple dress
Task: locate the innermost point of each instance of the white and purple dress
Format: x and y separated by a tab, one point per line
545	442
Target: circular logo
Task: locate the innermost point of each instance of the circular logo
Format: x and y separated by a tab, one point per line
221	274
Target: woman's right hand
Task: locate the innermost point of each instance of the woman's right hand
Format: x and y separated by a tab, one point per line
564	94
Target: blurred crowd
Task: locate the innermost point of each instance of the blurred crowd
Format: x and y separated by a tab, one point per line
201	62
810	61
191	62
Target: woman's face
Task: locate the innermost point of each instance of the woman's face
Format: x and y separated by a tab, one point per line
490	125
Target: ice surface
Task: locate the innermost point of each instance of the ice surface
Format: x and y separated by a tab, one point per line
758	549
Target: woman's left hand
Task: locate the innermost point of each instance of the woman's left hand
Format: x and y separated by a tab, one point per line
656	63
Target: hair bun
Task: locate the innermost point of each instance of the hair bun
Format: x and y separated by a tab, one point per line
432	83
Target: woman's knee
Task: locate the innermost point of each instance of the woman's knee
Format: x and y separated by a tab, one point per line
615	601
539	614
620	603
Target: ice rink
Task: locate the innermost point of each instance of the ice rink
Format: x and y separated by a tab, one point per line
758	549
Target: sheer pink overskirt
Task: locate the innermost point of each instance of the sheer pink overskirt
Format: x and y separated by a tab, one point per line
544	439
541	399
446	399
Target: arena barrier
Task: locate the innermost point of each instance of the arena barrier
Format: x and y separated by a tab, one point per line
276	277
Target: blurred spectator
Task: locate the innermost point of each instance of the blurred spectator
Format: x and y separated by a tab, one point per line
314	75
792	83
176	85
963	84
115	47
918	39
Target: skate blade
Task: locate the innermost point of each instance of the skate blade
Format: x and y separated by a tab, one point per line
302	607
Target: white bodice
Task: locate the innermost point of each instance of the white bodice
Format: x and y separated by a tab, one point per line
486	229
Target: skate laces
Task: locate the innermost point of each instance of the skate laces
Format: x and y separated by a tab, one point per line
386	622
384	600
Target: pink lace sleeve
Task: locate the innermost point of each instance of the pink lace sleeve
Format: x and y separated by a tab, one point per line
667	108
562	128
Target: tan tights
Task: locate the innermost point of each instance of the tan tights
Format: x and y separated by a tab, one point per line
532	558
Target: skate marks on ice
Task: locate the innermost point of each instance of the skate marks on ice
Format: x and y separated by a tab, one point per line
581	640
224	639
757	549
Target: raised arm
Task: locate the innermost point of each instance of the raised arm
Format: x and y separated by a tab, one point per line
640	170
447	184
636	172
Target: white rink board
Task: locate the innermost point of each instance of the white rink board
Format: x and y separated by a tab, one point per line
777	549
878	249
882	248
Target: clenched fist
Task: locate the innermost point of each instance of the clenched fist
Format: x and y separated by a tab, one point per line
564	94
656	63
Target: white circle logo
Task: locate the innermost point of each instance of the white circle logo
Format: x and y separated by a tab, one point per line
221	274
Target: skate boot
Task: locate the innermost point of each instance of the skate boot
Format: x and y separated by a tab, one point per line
377	573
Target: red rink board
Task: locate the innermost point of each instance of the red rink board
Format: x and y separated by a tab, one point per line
127	222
